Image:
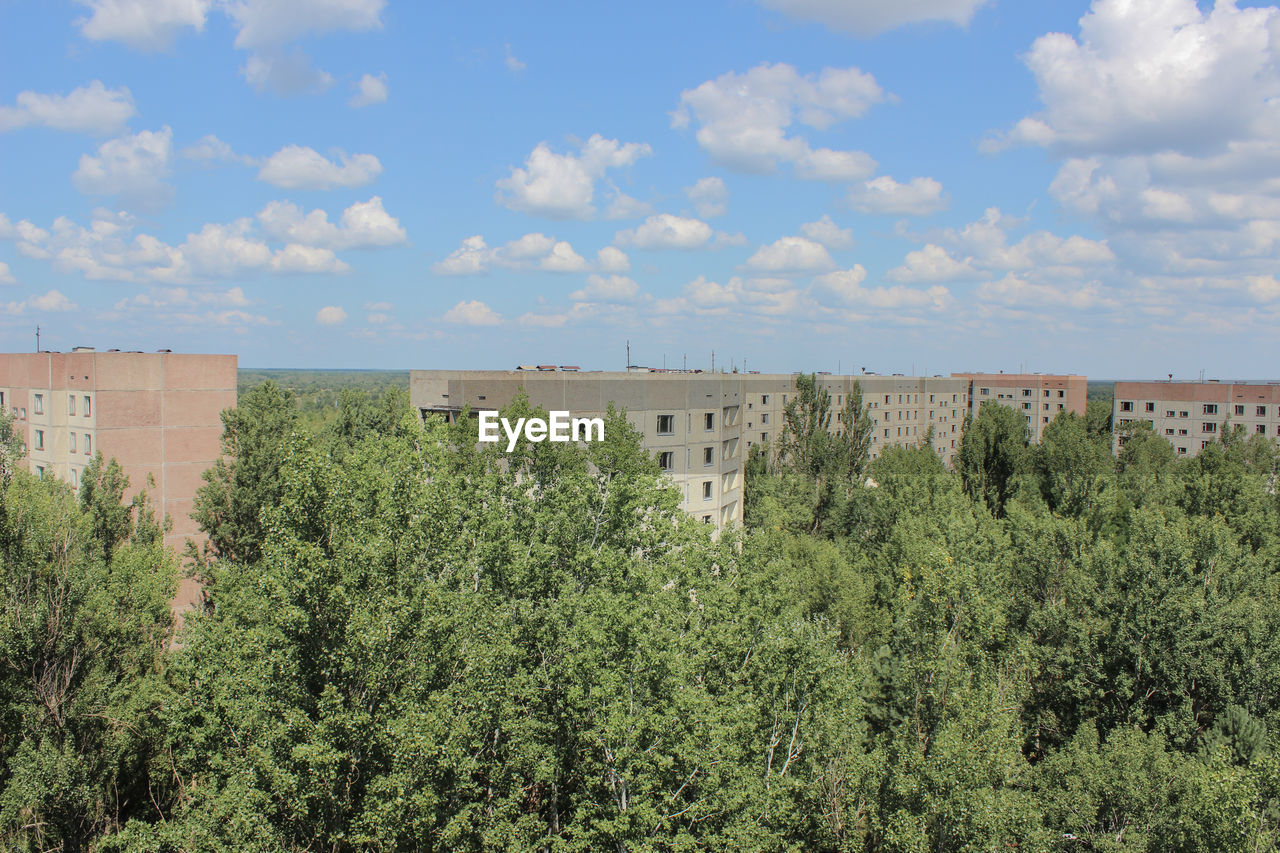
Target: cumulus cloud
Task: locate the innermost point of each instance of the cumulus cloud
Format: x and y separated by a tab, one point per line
1151	76
743	119
49	302
931	264
562	186
871	17
514	65
6	276
210	149
267	23
109	249
331	315
610	259
771	297
91	109
369	90
134	167
472	313
1017	291
884	195
667	231
300	167
613	288
285	73
710	197
363	225
535	251
145	25
846	286
791	254
827	233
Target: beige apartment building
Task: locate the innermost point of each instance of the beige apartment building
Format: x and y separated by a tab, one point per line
701	426
1190	415
156	414
1038	396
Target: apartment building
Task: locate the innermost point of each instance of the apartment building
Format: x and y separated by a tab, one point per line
1190	415
156	414
701	426
1038	396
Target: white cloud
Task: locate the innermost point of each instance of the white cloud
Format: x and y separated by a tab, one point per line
1015	291
870	17
300	167
827	233
543	321
743	119
610	259
133	167
562	186
363	225
51	301
770	297
791	254
931	264
210	149
624	206
884	195
145	25
269	23
370	90
89	109
614	288
710	197
534	251
6	277
846	287
331	315
285	73
667	231
1156	75
472	313
296	258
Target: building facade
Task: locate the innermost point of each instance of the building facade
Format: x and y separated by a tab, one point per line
1191	415
157	414
1038	396
701	426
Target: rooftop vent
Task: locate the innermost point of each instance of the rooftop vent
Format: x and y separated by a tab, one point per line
164	350
82	349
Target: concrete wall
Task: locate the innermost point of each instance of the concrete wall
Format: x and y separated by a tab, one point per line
1191	414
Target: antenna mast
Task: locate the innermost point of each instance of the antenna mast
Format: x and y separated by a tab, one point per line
37	337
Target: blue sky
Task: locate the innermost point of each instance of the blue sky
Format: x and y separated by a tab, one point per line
920	186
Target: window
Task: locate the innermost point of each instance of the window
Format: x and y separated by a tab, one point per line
88	408
1260	429
764	419
764	436
1182	451
1126	406
706	519
1046	392
886	433
75	479
1	398
71	404
1170	413
1182	432
1262	410
709	420
1184	414
1151	407
1064	393
708	456
1026	392
39	404
666	460
1211	408
1240	411
1208	426
764	399
88	444
23	415
1169	431
72	445
1059	407
886	399
39	438
706	490
666	424
1205	444
40	471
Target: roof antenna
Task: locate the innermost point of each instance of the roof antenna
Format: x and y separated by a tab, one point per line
628	367
37	337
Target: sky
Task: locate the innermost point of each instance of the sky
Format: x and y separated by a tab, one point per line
922	186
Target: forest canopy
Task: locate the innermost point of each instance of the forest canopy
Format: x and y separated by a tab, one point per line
408	642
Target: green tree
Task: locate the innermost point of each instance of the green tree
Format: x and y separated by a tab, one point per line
992	454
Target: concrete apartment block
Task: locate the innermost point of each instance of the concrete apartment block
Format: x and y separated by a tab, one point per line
1190	415
156	414
701	426
1038	396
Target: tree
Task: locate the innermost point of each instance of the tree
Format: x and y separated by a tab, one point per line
1073	466
992	453
254	436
